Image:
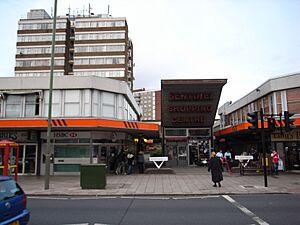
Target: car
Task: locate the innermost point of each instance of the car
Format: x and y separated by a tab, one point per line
13	203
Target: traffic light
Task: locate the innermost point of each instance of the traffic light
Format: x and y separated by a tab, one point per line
253	119
271	124
289	123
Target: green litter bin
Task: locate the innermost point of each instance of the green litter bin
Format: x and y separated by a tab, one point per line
93	176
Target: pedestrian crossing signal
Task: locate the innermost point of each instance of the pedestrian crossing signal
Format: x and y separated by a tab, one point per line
271	124
289	122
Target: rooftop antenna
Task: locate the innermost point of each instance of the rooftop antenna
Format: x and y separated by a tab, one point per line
108	10
90	8
69	13
83	9
51	11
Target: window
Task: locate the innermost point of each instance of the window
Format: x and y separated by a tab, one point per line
72	100
95	102
56	103
13	106
22	105
31	105
109	103
175	132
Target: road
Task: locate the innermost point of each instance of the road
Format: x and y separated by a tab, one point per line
206	210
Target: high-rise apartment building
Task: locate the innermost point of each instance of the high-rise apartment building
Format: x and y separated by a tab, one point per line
85	45
150	104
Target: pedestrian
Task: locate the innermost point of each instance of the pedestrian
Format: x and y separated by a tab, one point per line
121	162
112	161
140	161
228	158
215	166
275	161
220	154
221	157
130	161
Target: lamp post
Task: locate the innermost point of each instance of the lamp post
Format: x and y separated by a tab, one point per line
48	149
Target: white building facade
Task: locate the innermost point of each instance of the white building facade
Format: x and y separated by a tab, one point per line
92	118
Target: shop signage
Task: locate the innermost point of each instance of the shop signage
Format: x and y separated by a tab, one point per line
21	136
67	135
290	136
190	103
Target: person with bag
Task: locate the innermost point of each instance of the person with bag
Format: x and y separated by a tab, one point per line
275	161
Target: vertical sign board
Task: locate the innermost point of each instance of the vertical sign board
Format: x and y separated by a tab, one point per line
190	103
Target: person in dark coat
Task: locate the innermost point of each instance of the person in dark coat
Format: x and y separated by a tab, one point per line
215	166
140	161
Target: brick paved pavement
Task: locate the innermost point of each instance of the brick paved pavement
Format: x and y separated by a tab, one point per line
184	182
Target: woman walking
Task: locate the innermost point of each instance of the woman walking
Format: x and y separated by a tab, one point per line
215	166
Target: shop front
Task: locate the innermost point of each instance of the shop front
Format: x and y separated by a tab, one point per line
288	146
189	148
188	114
28	149
73	148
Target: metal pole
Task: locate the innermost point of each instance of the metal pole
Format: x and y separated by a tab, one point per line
48	150
263	146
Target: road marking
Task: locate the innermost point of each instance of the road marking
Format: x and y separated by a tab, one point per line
245	210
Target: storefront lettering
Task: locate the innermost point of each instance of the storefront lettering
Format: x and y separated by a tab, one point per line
286	136
199	96
189	120
65	134
189	108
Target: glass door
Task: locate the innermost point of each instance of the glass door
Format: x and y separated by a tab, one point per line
27	159
182	155
193	154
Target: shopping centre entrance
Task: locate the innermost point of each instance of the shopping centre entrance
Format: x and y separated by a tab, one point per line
188	113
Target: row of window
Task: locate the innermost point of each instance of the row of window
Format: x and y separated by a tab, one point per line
25	105
69	103
99	61
100	36
38	38
37	74
44	62
39	50
39	26
100	48
113	73
270	104
86	24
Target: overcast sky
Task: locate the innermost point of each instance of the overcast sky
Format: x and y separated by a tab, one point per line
244	41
